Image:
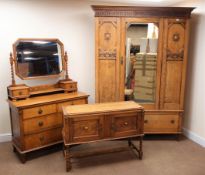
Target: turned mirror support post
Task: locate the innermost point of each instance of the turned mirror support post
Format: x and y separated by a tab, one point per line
66	66
13	82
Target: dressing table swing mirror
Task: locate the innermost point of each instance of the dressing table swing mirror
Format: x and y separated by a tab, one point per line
36	111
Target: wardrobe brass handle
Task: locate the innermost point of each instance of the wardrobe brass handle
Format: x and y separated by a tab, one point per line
172	121
125	123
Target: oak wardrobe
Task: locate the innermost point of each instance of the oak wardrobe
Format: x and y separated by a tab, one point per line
143	51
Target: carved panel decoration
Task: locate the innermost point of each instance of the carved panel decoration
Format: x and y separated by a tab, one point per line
107	54
107	34
175	40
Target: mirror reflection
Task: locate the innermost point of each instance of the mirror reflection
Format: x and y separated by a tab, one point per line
36	58
141	61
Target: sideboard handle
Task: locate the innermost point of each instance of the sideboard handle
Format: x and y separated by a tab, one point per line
85	128
126	123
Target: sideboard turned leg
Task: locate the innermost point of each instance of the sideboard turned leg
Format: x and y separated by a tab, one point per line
67	157
140	148
129	142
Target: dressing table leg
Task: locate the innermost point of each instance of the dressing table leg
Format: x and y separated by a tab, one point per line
67	157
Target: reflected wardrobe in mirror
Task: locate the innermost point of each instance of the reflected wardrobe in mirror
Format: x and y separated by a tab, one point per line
141	61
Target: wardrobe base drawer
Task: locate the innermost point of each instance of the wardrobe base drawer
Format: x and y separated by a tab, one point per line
162	123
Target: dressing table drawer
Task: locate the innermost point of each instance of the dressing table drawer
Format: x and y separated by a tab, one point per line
18	92
42	123
73	102
39	111
44	138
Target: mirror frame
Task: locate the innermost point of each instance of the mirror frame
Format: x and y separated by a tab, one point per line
39	39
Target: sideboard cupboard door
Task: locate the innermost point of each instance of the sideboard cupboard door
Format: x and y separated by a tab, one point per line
174	63
125	124
86	128
107	59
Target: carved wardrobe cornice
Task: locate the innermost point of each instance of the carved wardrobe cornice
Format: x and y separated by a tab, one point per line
137	11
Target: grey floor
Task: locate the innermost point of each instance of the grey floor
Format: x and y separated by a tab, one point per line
161	157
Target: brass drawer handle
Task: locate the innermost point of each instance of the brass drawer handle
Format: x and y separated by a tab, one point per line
71	86
146	121
40	123
172	121
41	138
40	111
126	123
20	93
85	128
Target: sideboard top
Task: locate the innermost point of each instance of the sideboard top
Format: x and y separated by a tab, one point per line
140	11
100	108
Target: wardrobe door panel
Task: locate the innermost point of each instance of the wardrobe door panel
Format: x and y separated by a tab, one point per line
174	64
107	59
173	84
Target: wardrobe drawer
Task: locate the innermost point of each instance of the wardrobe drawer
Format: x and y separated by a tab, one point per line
157	123
39	111
43	138
39	123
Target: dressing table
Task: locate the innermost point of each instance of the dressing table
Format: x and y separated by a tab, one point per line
36	112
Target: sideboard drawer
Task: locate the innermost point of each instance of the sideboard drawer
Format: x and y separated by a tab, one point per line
125	124
43	138
40	123
157	123
39	111
86	128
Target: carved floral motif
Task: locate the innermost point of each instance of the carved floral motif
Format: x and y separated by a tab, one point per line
107	54
175	56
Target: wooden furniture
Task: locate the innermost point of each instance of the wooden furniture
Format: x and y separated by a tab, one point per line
37	122
164	114
104	121
36	112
